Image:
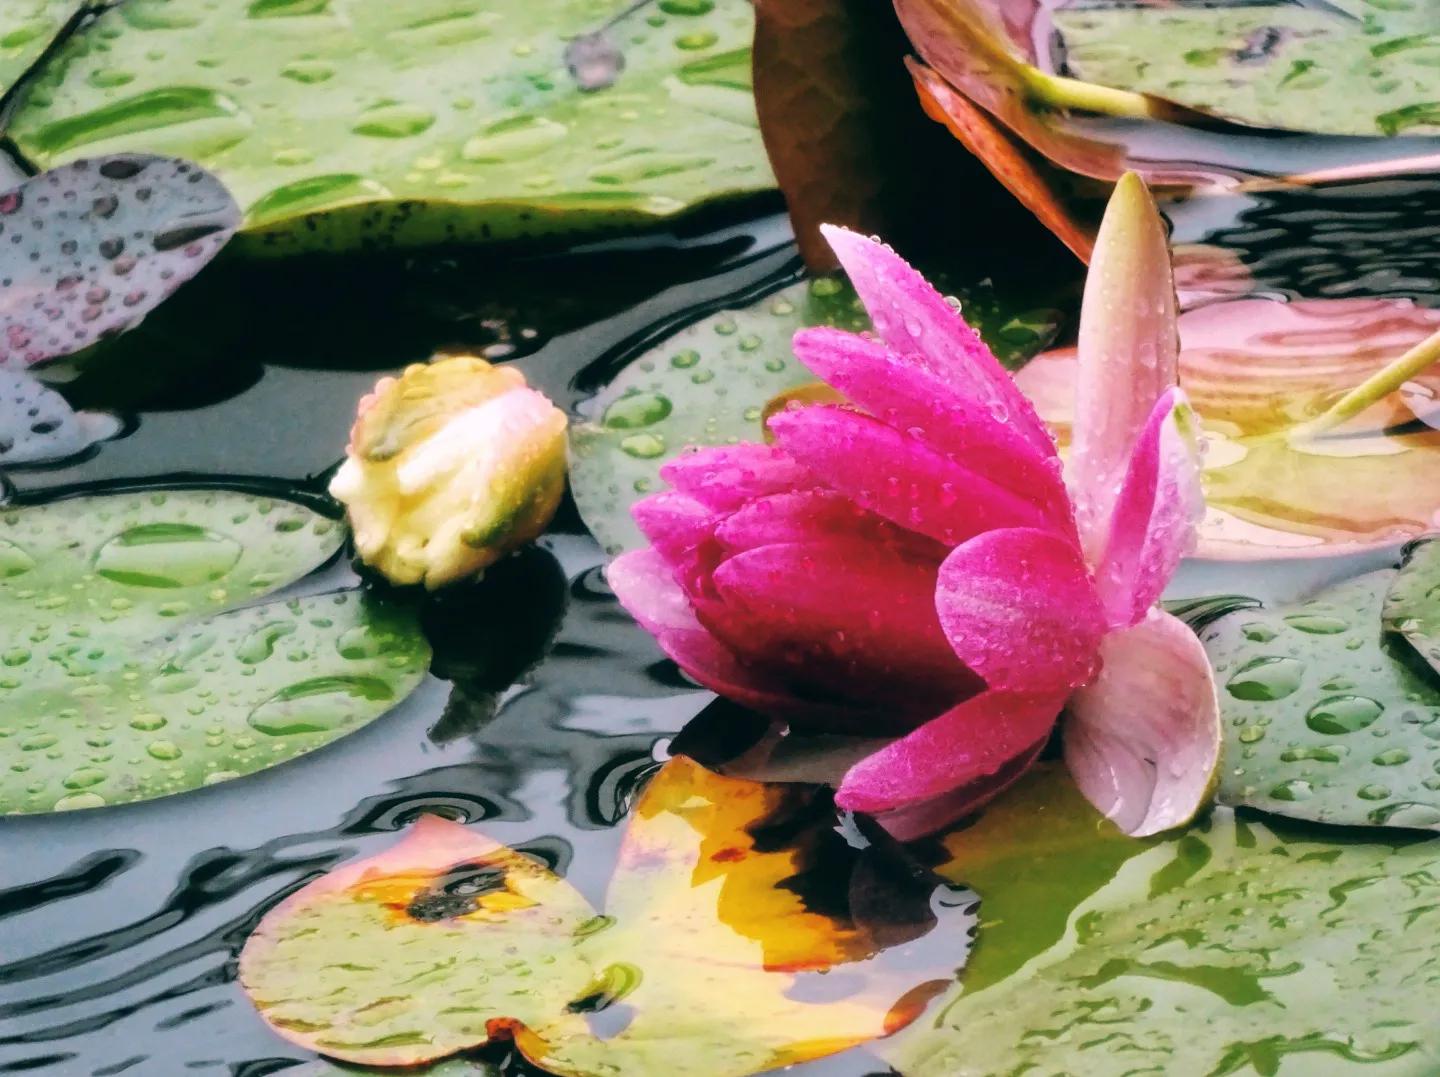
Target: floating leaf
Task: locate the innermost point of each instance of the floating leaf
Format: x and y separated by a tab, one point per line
1254	371
37	426
114	685
26	29
1327	716
713	959
1412	607
94	246
428	121
1344	67
711	384
1231	948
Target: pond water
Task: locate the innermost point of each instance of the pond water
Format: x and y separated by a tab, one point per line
120	928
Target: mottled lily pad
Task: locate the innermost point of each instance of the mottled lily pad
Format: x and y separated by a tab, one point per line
1327	715
1412	607
1232	948
89	249
1343	67
722	953
38	426
118	684
429	120
27	27
710	384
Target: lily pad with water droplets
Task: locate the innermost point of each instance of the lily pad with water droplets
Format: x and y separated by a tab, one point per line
1328	715
1342	67
27	27
117	683
710	384
1412	607
87	250
726	948
1231	948
38	426
352	123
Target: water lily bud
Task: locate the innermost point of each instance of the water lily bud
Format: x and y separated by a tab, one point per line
450	467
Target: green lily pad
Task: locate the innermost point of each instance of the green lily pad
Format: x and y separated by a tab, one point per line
26	29
425	121
1327	715
1344	67
1233	948
1412	608
709	384
122	680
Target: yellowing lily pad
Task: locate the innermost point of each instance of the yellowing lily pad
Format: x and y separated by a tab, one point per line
423	121
1329	716
1233	948
1343	67
711	384
118	684
1255	370
716	956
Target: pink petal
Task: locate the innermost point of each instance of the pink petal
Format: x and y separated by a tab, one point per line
1020	610
1156	514
965	744
815	516
682	531
842	619
914	320
725	478
926	406
899	477
1143	741
1128	353
918	820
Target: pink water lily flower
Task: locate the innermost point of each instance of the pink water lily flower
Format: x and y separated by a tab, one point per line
912	562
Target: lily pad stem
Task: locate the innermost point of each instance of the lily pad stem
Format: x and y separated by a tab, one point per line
1379	385
1057	91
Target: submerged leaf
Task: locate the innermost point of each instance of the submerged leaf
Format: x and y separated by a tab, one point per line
1345	67
37	426
716	956
424	121
1327	715
1231	948
716	382
1255	370
94	246
115	686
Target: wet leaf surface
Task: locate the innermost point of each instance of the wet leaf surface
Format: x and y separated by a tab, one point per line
1344	67
1256	369
742	932
1412	605
27	27
93	246
115	684
1235	947
432	121
711	384
37	425
1328	715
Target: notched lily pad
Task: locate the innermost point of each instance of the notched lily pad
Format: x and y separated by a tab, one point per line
1233	948
1328	716
421	122
87	250
724	950
38	426
711	384
1342	67
118	684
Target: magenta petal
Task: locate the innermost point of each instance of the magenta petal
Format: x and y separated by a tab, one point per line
1156	514
818	516
1143	741
682	530
843	618
1020	610
965	744
914	320
926	406
898	477
917	820
725	478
